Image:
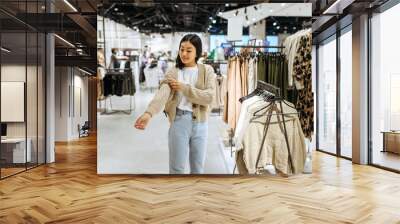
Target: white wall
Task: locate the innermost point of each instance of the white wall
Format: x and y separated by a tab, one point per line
62	83
12	73
70	83
80	84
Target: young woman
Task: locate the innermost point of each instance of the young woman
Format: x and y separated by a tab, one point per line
185	95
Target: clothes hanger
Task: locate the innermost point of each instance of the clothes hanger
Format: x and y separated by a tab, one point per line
255	92
267	99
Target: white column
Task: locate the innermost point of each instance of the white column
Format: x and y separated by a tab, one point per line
257	31
360	90
50	100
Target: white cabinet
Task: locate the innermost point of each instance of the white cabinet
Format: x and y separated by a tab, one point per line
18	149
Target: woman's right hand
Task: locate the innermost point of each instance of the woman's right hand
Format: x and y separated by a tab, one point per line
142	121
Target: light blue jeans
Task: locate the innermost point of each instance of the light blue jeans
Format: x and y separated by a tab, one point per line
187	140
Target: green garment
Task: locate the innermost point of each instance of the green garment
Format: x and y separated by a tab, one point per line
261	68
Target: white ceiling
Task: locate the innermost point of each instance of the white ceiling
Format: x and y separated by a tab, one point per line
261	11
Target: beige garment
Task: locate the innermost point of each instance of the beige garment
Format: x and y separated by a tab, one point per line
230	88
100	86
274	149
223	90
225	115
234	92
201	95
251	83
244	75
238	93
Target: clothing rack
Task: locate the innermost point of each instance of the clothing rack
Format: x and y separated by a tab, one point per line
255	46
275	101
131	98
215	62
268	87
113	111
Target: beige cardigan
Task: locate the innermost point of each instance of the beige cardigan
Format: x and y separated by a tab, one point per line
201	95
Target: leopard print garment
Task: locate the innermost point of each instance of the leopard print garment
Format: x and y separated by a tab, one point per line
303	80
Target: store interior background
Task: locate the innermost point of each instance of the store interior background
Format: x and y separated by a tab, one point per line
28	46
121	147
334	50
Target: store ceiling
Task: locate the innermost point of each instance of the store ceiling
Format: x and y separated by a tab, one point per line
152	17
333	15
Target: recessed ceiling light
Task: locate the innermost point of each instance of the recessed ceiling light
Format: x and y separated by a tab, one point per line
220	13
209	26
214	21
294	28
64	40
84	71
210	17
70	5
227	5
275	23
176	6
278	27
116	9
5	49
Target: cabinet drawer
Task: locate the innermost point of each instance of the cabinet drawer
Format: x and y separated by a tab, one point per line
392	142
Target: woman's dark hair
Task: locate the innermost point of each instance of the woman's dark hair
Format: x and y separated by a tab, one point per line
196	41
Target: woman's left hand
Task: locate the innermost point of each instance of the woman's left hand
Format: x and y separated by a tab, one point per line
175	85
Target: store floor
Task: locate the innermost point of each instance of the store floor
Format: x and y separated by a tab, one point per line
10	171
126	150
70	191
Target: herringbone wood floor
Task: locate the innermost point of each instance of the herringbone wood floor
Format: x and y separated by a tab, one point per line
70	191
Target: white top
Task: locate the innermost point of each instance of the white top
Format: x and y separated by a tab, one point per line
242	122
187	75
